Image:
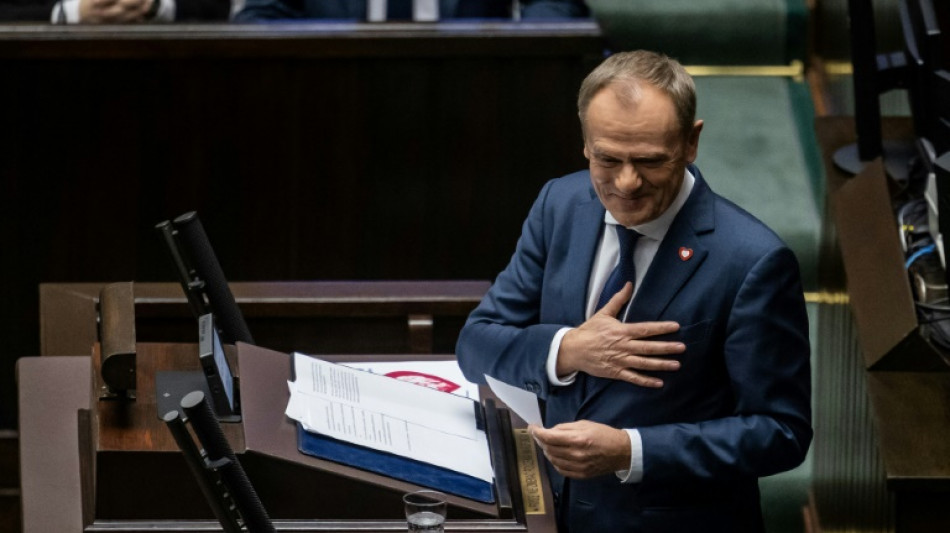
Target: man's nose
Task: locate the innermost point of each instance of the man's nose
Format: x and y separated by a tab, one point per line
628	179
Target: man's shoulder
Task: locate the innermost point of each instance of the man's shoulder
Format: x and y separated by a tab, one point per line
575	179
727	215
732	215
565	192
573	183
745	238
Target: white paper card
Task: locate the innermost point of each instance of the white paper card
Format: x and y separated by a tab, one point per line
522	402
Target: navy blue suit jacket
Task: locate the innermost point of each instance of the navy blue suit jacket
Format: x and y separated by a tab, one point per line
738	408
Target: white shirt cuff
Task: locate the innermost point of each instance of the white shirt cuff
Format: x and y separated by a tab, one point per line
551	365
635	473
65	12
166	11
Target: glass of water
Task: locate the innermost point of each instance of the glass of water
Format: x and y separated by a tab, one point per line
425	510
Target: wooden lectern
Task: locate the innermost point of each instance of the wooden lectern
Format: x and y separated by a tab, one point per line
135	476
132	476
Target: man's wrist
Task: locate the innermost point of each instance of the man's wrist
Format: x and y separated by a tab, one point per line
564	364
555	377
633	473
66	12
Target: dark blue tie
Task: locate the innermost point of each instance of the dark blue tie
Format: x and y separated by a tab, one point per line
399	10
625	270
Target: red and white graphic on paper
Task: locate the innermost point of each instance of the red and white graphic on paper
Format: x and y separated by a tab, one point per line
439	375
426	380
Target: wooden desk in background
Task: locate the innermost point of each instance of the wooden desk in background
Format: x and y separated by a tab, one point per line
308	316
882	413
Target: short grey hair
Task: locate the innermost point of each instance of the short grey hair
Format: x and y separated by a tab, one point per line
628	69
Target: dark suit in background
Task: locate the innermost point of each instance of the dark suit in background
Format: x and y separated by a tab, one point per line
185	10
257	10
26	10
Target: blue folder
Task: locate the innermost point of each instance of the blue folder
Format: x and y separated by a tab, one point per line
394	466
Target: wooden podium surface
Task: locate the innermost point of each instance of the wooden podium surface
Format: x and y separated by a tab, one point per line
140	480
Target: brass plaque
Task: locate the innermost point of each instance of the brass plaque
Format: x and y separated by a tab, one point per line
529	473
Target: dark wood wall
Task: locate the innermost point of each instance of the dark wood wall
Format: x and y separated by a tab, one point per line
311	152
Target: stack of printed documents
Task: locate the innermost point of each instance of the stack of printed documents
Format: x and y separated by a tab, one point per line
389	415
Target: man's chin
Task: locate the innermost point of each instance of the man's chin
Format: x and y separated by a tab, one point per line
628	217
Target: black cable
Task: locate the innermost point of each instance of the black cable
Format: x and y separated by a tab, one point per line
933	320
933	307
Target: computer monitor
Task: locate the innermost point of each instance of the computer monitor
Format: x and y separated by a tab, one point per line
215	380
217	371
874	74
927	79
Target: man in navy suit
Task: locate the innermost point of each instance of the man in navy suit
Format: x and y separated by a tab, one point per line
664	405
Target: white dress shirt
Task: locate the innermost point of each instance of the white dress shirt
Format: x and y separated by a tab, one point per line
605	259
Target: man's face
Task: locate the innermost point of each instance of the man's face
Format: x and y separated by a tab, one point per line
637	152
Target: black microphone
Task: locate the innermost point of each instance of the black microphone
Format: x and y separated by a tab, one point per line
197	247
222	458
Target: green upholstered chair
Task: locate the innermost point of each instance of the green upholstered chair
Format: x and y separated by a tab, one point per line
708	32
758	149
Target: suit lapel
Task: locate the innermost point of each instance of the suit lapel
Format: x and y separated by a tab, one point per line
585	236
669	271
585	227
680	254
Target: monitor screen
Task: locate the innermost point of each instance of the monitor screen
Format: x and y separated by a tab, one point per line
214	364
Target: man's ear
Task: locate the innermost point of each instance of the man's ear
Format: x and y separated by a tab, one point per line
692	141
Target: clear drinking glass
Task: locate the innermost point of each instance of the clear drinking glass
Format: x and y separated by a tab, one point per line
425	510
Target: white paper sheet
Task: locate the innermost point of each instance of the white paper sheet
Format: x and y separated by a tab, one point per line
522	402
389	415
